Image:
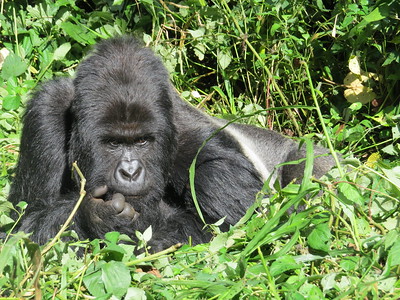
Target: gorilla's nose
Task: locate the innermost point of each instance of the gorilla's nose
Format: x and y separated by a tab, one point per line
131	171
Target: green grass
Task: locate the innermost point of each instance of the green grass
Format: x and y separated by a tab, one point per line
275	64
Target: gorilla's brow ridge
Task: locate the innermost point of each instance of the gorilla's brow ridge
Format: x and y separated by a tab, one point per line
124	113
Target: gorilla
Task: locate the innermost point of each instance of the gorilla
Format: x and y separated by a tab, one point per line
134	139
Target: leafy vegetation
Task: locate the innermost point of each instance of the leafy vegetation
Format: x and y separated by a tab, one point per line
323	70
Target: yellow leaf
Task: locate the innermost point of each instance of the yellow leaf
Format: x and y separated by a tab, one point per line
352	80
373	159
33	70
354	65
373	76
356	91
359	93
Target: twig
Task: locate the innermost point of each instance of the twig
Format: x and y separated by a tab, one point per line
154	256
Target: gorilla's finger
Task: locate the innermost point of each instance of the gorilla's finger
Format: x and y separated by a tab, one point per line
100	191
117	202
96	201
129	212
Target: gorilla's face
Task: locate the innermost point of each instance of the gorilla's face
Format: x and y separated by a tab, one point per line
131	150
130	147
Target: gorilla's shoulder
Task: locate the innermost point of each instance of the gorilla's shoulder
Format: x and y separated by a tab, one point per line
57	93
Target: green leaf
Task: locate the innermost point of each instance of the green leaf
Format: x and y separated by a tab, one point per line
283	264
274	28
135	294
349	263
197	33
263	235
112	236
78	33
328	282
147	234
93	281
393	175
306	183
224	59
199	50
11	102
320	237
13	66
116	278
349	194
377	14
388	284
4	219
61	51
394	255
6	253
218	243
311	292
320	5
117	2
356	106
392	56
114	252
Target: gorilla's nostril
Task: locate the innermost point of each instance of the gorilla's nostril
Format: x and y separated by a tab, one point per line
130	170
125	174
131	174
135	175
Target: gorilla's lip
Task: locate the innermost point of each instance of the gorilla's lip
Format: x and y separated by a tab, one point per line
135	197
132	196
126	194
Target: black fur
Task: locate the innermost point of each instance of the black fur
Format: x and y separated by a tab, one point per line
134	140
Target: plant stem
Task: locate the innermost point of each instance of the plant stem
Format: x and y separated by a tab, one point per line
321	119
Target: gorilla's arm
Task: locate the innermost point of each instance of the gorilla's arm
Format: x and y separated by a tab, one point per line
225	184
42	167
176	226
42	173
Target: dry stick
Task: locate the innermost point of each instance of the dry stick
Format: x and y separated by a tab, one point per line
73	212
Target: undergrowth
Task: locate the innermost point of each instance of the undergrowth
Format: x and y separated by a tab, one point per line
327	71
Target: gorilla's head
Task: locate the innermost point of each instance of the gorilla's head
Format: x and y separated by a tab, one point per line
123	134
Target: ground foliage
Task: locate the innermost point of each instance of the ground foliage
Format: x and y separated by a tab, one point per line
327	70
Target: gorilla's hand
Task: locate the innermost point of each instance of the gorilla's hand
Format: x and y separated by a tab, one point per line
108	215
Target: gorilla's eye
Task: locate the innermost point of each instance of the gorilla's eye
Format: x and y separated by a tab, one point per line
141	141
114	144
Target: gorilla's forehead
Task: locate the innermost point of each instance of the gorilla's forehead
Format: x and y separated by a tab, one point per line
125	114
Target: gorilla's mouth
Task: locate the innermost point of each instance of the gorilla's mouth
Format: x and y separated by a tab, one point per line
129	195
134	190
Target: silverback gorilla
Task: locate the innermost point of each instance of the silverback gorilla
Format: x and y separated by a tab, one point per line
134	140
